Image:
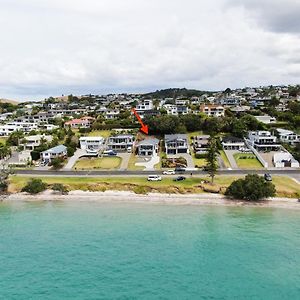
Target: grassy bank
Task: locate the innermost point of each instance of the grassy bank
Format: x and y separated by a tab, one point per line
108	163
247	161
285	186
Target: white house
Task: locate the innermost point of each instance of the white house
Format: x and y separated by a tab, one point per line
265	119
287	136
263	140
32	141
122	142
58	151
171	109
91	144
144	105
8	128
284	159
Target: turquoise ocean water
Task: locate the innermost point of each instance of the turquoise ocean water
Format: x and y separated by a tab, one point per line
95	250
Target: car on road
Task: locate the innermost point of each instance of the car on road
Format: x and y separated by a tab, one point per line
268	177
179	178
179	170
169	172
110	153
154	178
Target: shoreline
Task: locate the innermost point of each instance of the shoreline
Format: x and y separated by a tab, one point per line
151	198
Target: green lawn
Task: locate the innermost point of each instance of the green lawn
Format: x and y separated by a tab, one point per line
131	164
285	186
194	133
250	162
108	163
225	159
3	140
103	133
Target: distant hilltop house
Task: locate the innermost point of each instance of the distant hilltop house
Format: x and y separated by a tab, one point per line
146	108
33	141
212	110
231	101
233	143
91	144
176	144
58	151
288	136
122	142
7	129
84	122
148	147
265	119
111	114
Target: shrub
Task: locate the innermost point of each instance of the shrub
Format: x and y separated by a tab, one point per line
34	186
200	155
58	187
252	188
57	163
70	151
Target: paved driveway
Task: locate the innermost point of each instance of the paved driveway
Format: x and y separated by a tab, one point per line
230	156
125	160
149	163
72	160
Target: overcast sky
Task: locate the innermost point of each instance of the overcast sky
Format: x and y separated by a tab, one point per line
54	47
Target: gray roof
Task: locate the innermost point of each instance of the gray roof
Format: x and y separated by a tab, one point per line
172	137
57	149
152	141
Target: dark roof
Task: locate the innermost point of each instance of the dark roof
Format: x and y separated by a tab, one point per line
232	139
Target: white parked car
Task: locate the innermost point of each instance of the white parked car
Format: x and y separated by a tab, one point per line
169	172
154	178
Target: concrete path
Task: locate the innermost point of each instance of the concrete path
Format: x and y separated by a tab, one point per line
72	160
229	154
149	164
125	160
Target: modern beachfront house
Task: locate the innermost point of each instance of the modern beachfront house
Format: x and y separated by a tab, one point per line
176	143
91	144
58	151
200	143
233	143
122	142
287	136
148	147
263	140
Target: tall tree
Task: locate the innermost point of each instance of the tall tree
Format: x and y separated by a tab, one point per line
212	158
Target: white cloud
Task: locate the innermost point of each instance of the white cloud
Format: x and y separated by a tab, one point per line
54	47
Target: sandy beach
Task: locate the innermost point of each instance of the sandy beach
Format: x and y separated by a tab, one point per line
153	198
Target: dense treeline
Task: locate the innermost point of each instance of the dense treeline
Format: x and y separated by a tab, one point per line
166	124
174	93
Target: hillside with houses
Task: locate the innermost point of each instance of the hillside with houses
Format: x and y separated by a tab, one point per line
255	128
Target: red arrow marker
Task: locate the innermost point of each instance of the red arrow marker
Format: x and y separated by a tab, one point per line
144	127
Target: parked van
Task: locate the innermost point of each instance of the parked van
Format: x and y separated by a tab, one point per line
154	178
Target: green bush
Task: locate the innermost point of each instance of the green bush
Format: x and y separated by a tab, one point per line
252	188
200	155
34	186
58	187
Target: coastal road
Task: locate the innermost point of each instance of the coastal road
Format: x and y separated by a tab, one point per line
293	173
